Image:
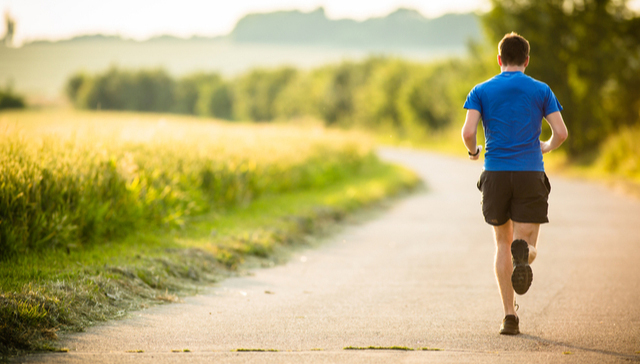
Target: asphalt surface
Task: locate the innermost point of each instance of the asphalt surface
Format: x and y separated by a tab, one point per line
418	275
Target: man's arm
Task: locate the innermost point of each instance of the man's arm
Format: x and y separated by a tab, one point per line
470	131
559	132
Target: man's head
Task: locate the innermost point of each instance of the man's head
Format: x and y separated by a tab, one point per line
513	49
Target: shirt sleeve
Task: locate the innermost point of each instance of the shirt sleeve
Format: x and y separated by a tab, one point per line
473	100
551	104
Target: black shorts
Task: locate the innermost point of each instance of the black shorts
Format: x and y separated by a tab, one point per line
520	196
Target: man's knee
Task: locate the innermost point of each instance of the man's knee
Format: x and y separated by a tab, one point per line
504	233
525	229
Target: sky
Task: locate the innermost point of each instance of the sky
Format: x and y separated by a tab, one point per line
141	19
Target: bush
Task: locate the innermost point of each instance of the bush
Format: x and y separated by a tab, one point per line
341	83
187	91
255	93
620	153
215	98
146	90
9	100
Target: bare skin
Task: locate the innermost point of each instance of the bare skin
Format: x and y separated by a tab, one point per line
505	234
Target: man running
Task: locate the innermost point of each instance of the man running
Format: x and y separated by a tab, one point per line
514	186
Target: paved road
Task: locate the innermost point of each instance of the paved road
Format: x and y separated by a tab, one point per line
419	275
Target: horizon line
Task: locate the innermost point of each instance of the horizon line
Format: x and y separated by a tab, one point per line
125	37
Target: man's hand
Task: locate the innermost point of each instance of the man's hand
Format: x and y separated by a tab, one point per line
477	155
559	132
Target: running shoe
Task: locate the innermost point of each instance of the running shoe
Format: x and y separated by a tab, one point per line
522	275
510	325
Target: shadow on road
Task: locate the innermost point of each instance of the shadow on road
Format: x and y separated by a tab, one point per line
576	347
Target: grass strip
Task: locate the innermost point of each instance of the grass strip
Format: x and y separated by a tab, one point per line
43	294
243	350
402	348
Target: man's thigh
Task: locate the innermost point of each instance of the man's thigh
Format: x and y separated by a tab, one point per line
496	196
529	203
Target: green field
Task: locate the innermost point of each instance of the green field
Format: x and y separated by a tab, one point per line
107	212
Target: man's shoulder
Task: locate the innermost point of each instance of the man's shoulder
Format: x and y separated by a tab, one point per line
486	82
480	87
537	84
497	84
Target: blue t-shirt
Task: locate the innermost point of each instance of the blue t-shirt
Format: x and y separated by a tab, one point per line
512	105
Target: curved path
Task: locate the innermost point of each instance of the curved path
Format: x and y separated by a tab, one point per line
419	275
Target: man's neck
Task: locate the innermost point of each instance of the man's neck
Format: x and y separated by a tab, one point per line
512	68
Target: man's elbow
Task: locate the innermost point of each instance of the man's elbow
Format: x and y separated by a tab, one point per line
468	135
563	134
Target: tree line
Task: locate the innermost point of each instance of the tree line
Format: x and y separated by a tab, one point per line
376	92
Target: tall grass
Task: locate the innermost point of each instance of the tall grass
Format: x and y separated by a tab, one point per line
620	153
71	179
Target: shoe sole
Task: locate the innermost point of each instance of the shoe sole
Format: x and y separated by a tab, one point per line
522	275
508	332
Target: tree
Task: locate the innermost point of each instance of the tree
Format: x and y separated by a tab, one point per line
256	92
9	100
588	51
9	30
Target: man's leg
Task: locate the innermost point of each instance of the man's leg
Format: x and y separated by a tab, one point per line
523	252
529	233
503	266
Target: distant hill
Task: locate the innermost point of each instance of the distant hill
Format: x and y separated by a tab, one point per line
401	29
404	28
88	38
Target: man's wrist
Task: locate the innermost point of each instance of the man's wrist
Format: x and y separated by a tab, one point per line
474	154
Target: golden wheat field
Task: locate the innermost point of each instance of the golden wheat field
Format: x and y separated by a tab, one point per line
71	177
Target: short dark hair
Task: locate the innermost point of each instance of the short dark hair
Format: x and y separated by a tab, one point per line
513	49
